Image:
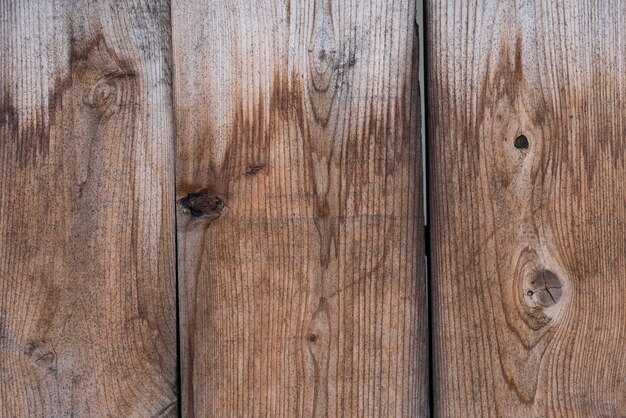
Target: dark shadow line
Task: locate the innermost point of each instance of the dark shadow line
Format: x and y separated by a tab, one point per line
426	170
179	394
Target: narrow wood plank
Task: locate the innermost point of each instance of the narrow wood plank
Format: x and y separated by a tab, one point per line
87	267
529	250
299	217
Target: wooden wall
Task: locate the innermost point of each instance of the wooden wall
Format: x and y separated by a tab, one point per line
216	208
297	197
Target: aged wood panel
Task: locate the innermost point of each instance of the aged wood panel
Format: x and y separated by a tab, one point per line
299	218
87	267
529	249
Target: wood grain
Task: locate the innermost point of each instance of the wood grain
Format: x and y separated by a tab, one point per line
529	252
299	216
87	267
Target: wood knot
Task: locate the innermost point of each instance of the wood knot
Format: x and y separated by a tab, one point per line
101	93
312	338
521	142
104	92
40	353
545	289
202	204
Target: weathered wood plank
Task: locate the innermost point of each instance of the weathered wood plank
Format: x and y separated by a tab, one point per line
529	250
87	275
300	260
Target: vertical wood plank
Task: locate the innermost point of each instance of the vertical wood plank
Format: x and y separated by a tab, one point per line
87	267
299	217
529	207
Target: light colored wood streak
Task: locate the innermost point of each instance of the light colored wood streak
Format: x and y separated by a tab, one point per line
555	72
87	275
304	294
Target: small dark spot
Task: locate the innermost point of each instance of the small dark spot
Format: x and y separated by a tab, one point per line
312	338
201	204
254	169
521	142
529	292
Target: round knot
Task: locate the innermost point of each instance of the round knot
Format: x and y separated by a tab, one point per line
545	289
101	93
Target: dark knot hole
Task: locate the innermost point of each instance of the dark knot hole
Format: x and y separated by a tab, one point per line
521	142
202	204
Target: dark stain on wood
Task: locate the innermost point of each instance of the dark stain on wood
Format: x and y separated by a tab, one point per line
96	76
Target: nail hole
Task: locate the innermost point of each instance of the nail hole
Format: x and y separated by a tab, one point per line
521	142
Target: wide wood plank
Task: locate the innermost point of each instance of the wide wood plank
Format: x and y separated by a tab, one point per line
300	213
528	203
87	267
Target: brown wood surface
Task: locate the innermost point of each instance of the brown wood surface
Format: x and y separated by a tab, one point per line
300	247
529	247
87	275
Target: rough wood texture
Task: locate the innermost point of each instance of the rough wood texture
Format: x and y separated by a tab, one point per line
300	248
87	319
529	249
